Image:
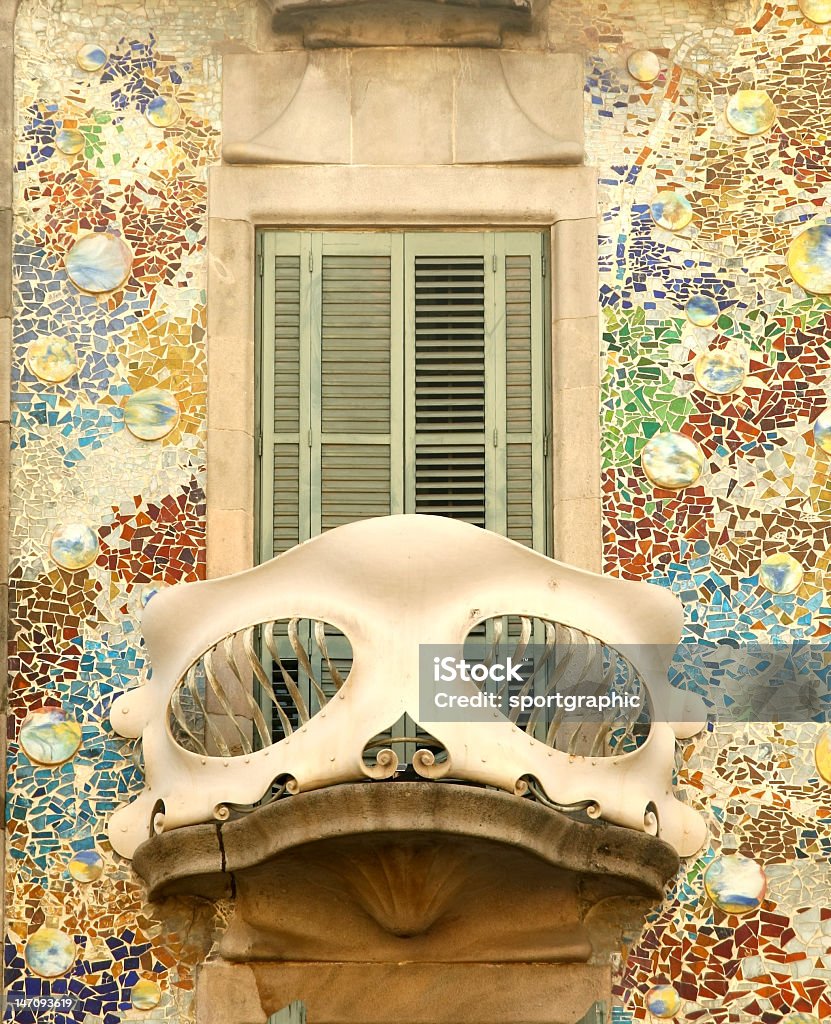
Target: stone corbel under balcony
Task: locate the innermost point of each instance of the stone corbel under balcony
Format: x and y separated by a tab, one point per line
326	23
450	897
412	871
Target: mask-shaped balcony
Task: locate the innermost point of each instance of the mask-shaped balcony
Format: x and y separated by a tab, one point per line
296	760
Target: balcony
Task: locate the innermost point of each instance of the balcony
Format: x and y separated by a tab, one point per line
326	23
296	761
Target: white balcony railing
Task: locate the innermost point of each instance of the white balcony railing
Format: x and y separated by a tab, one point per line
305	673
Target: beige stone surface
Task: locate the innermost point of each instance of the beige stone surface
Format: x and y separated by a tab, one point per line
575	447
291	106
402	106
230	468
5	369
416	993
503	196
519	108
577	532
204	848
574	268
6	144
576	353
230	282
5	263
228	994
576	444
231	382
230	485
230	540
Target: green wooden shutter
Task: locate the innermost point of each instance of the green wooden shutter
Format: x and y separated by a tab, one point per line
401	372
475	430
447	300
357	385
283	393
526	386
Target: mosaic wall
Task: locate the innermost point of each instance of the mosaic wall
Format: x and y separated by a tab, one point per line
117	122
711	131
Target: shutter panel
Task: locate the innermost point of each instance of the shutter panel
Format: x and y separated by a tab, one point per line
281	373
447	293
518	343
286	401
518	400
520	494
359	399
523	358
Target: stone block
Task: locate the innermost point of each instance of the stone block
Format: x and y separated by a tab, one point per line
286	107
576	354
308	196
230	541
5	369
576	444
159	859
577	524
5	263
497	993
231	376
402	106
230	469
574	268
230	280
519	108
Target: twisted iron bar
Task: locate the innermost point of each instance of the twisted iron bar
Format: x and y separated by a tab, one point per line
222	704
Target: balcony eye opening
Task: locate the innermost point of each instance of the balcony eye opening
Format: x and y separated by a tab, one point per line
258	685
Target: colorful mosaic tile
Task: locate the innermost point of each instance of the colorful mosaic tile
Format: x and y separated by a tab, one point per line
764	488
99	164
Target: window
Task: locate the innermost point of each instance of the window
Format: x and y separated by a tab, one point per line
401	372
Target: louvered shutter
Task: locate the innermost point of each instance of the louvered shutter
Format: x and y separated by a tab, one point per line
447	301
401	372
475	362
283	394
521	345
357	390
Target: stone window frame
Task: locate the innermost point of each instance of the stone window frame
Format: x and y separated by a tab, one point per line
560	200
